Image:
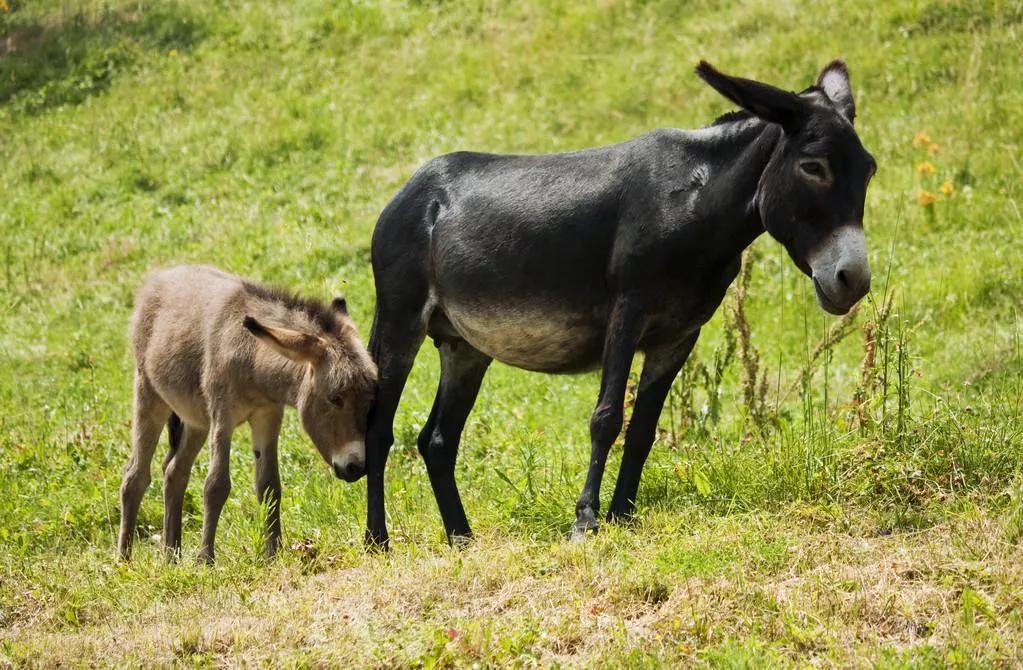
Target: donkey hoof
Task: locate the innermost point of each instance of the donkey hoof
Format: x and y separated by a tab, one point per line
585	523
583	530
460	540
376	542
624	517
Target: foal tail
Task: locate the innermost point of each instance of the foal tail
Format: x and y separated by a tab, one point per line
175	427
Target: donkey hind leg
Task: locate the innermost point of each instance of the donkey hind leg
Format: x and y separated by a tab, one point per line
217	486
461	373
395	340
149	415
606	421
266	428
659	371
176	473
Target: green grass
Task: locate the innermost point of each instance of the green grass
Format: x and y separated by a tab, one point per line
265	138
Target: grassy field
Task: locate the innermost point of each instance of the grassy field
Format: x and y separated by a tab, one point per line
826	492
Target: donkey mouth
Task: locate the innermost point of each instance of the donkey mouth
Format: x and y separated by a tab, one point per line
827	304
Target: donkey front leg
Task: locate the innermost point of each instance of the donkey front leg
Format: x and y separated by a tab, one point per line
218	485
659	371
266	428
150	414
606	421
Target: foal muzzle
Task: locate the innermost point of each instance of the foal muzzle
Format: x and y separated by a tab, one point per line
350	464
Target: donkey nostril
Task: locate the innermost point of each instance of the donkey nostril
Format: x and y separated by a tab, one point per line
339	471
842	278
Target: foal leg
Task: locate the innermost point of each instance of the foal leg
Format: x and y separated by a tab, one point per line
266	428
217	486
659	371
176	473
395	340
149	415
606	421
461	373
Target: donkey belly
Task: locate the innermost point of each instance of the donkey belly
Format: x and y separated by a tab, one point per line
535	309
531	298
519	257
530	337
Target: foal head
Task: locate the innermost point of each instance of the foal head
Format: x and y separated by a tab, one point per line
335	391
811	194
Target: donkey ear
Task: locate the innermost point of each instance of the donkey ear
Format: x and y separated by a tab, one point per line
834	81
763	100
339	305
295	345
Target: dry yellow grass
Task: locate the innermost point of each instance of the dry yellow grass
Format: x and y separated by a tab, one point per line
803	588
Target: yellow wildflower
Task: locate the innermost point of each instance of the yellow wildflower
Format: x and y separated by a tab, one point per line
922	139
926	167
925	198
933	148
947	189
4	7
173	53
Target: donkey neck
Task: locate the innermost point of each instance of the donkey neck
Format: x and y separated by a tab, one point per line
737	152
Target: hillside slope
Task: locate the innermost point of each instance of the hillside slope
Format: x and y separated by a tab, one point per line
845	514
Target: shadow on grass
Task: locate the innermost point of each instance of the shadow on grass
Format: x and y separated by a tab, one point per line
66	57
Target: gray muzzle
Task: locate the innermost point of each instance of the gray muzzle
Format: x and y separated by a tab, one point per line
841	272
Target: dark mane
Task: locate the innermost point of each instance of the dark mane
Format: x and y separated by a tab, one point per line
729	117
326	318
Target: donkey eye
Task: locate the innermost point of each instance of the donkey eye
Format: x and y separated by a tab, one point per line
815	169
338	401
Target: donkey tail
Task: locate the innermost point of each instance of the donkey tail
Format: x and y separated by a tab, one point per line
175	427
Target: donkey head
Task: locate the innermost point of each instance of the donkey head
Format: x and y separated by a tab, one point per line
338	380
810	196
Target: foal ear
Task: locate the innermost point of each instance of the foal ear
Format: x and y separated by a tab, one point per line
834	81
298	346
763	100
339	305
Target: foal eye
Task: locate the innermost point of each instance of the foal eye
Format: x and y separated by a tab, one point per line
338	401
